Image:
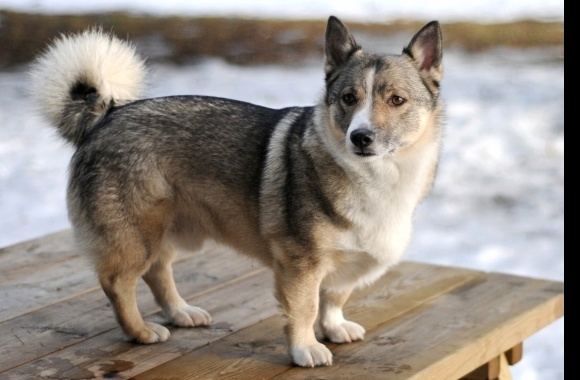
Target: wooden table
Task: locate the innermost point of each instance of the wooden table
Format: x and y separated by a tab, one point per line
422	321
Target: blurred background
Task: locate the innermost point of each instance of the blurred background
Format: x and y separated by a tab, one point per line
259	31
498	201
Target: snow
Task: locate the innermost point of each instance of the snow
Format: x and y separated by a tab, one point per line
384	10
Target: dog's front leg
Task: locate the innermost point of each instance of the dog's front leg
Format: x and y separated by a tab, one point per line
334	326
297	291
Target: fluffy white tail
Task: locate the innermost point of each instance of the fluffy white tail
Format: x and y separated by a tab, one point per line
79	77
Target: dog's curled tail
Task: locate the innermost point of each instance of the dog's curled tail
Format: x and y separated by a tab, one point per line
79	77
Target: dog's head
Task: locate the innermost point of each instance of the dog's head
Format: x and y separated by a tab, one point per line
377	105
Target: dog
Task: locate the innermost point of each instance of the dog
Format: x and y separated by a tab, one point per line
323	195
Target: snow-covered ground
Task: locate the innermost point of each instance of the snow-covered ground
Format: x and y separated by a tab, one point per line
498	202
375	10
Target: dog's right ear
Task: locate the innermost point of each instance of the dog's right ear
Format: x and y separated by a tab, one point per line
340	45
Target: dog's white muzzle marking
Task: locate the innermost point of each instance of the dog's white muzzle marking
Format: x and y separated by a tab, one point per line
360	136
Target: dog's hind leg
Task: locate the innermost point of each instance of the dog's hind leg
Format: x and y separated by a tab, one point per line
119	268
160	280
334	326
135	247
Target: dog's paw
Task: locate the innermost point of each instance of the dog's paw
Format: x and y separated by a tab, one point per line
190	316
345	332
311	356
152	333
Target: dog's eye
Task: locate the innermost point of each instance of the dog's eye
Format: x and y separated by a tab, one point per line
397	100
349	98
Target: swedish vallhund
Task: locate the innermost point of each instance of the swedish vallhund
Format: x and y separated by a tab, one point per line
324	195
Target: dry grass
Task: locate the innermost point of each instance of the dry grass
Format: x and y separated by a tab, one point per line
244	41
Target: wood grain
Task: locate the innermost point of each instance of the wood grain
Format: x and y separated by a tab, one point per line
51	328
261	348
432	338
423	321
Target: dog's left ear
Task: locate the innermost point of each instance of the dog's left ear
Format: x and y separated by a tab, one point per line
340	45
426	50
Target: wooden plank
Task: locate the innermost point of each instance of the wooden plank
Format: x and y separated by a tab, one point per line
41	271
94	345
436	339
260	350
452	335
416	320
105	355
36	253
88	314
503	312
504	373
498	368
49	270
257	352
515	354
245	301
488	371
406	286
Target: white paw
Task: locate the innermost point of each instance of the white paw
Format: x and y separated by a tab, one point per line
153	333
345	332
190	316
311	356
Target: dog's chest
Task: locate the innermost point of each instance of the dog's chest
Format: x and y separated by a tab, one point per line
380	222
380	208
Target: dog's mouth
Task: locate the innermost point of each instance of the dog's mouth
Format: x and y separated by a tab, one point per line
364	154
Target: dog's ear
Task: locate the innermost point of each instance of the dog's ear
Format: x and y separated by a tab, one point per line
426	50
340	45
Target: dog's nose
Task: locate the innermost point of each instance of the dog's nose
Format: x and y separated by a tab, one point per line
362	137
